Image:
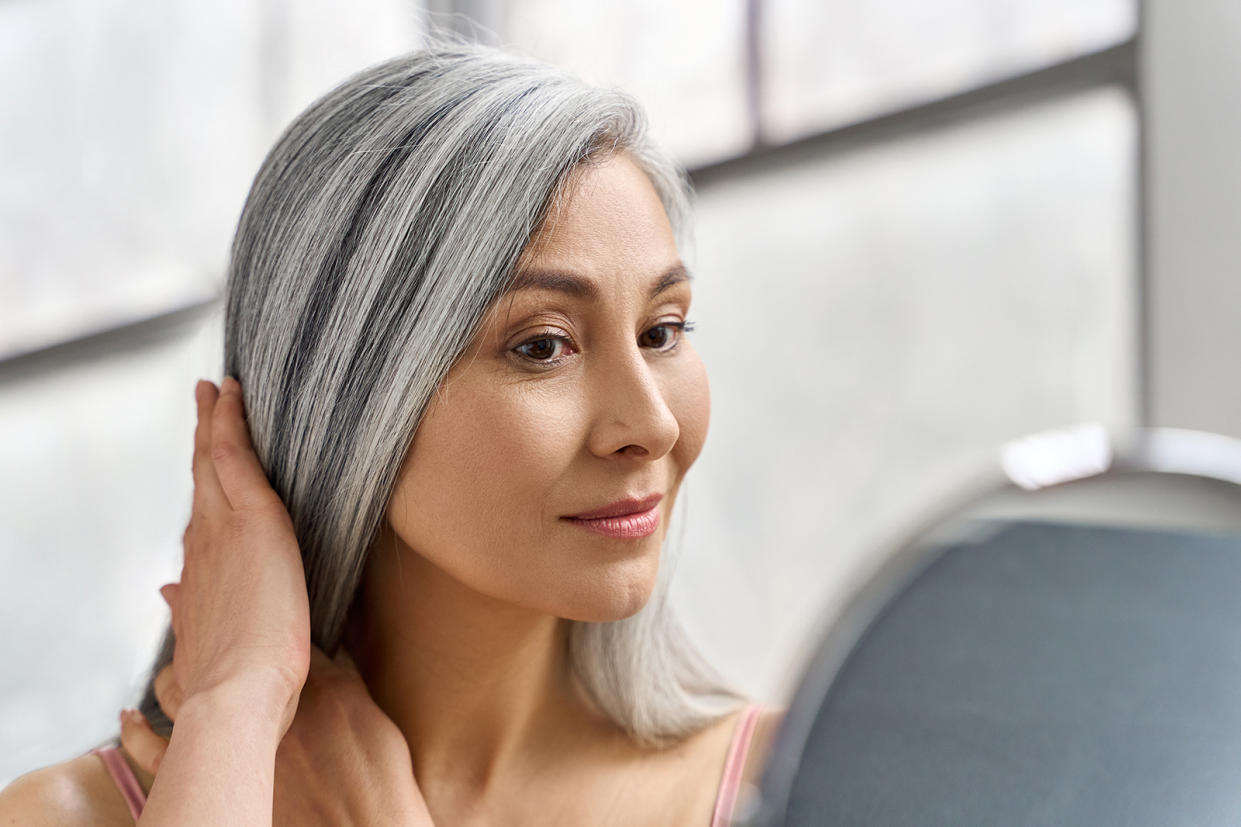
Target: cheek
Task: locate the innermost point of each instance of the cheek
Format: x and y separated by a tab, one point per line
689	399
479	473
505	440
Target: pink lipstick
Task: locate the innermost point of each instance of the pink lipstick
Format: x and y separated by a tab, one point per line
629	519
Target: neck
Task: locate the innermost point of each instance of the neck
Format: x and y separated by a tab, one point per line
478	686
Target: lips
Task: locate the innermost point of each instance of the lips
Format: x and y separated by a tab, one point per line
633	505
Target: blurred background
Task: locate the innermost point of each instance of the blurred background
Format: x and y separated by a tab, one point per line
922	229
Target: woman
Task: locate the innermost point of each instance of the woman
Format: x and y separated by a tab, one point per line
457	310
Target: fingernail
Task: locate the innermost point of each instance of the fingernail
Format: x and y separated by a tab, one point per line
198	389
127	715
230	384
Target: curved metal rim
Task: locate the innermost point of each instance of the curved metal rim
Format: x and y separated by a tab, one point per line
1064	456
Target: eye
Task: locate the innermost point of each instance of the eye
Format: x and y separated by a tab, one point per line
544	348
666	336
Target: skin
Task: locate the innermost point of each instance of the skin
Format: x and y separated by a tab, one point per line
482	567
562	404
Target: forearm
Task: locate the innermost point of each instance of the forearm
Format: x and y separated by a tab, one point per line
220	763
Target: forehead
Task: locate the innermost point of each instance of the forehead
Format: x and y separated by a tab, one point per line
608	217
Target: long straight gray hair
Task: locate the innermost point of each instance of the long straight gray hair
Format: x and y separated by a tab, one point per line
380	228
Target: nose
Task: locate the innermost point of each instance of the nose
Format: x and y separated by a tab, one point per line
631	412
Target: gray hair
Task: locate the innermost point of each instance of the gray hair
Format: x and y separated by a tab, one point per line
383	224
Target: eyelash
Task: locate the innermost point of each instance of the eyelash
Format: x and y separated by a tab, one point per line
681	327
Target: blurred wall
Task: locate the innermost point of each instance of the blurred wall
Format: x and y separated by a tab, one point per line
876	318
131	132
1190	63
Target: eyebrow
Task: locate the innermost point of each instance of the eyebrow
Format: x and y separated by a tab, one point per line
581	288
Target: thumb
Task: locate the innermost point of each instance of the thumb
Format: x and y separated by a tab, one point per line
144	745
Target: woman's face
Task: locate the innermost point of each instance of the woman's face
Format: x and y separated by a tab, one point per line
581	391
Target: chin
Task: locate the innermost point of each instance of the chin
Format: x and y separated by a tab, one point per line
617	596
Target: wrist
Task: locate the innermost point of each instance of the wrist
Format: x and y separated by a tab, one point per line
260	704
225	738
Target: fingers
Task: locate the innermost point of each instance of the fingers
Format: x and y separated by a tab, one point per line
170	592
236	465
208	494
144	745
168	692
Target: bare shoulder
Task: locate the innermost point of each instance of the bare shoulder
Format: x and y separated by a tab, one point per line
705	755
765	730
78	791
714	743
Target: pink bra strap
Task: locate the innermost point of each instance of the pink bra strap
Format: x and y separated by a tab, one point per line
124	778
734	764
